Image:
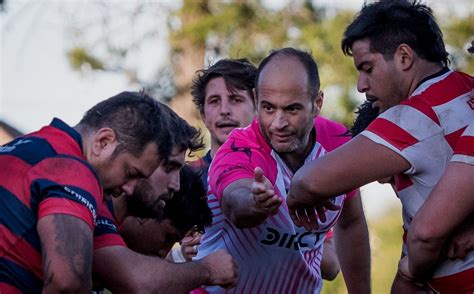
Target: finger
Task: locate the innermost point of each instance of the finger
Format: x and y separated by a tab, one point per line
258	175
313	219
272	202
262	192
331	206
321	214
304	219
294	217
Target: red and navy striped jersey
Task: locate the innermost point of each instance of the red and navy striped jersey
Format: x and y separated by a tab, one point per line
106	232
41	173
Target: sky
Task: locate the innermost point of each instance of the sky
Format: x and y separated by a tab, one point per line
37	83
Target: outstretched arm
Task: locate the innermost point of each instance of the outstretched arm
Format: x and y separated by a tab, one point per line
123	271
352	245
248	202
66	245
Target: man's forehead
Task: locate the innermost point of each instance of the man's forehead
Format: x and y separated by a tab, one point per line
282	68
176	157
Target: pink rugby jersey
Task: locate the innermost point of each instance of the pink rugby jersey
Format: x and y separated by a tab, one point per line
424	130
276	256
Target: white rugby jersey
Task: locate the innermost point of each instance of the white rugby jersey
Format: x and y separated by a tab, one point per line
464	151
276	256
424	130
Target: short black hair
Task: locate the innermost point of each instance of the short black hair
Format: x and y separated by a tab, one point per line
389	23
136	118
238	74
305	58
188	208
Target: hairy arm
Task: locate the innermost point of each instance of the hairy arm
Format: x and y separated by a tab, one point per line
352	246
66	245
452	198
123	271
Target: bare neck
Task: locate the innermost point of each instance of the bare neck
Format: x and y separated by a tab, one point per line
424	69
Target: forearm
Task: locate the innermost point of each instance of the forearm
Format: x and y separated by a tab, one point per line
124	271
423	255
352	247
239	207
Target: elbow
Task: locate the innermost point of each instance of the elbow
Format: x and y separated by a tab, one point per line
424	236
330	274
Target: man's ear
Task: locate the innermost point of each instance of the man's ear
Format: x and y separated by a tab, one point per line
318	103
105	140
404	57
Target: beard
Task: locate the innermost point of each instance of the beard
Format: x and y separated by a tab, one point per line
140	205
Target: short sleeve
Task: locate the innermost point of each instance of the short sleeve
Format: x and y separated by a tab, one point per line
464	150
235	160
413	132
65	185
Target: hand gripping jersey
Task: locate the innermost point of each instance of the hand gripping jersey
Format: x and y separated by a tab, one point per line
42	173
276	256
424	130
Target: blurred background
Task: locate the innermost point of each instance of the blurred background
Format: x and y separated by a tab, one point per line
59	58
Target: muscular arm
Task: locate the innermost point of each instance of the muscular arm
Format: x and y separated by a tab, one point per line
358	162
238	205
66	245
123	271
452	198
352	246
248	202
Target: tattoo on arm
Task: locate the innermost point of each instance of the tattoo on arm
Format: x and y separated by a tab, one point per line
66	249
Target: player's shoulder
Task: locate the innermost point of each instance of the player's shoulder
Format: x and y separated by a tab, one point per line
329	133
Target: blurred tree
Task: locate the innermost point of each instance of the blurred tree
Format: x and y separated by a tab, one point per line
201	32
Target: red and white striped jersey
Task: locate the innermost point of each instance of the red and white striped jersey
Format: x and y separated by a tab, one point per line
464	151
424	130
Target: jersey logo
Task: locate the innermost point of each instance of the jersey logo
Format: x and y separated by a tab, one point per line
8	148
470	102
285	240
245	150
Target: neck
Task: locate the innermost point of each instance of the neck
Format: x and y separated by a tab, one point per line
85	142
424	69
294	160
214	147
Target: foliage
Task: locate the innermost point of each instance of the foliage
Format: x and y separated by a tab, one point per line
202	31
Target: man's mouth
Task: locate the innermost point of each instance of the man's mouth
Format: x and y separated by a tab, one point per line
227	124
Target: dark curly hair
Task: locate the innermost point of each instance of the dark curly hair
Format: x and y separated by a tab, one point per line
188	208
